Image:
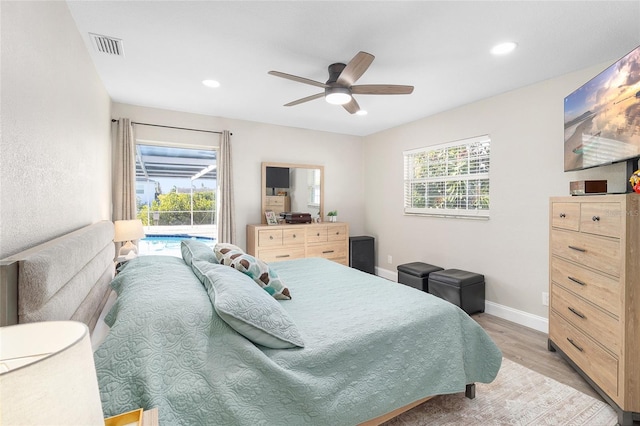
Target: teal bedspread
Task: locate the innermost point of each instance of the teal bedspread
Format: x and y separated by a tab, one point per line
371	346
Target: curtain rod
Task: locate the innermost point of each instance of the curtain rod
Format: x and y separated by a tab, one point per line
172	127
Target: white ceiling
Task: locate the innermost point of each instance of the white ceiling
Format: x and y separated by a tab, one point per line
440	47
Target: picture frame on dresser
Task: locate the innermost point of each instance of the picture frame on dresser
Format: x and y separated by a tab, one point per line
270	215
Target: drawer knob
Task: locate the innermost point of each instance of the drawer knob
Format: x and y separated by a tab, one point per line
282	255
574	344
318	234
327	251
577	281
294	235
271	237
595	218
577	249
581	315
563	215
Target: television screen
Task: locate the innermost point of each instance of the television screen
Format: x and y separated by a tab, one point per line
602	118
277	177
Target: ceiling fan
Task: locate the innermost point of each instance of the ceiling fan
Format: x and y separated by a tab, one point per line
339	88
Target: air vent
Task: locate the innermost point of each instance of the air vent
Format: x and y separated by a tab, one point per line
108	45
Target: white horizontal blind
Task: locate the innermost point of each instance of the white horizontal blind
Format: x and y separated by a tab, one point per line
450	179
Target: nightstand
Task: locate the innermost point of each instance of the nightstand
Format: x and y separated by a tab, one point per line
131	418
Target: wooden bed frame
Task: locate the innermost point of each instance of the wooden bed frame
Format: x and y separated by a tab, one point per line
68	278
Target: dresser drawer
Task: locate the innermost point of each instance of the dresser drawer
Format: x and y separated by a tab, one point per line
317	234
270	238
598	364
601	219
594	322
599	289
331	251
337	233
292	237
277	255
275	201
598	253
565	216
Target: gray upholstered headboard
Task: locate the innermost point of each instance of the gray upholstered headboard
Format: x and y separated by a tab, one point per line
66	278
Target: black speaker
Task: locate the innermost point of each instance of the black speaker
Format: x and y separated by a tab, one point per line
361	254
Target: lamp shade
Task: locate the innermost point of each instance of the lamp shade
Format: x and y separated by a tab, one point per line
128	230
47	375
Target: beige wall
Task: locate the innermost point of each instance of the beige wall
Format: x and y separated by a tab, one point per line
510	249
252	143
55	146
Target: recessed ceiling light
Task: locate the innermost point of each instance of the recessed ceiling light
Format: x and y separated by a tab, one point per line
361	112
211	83
504	48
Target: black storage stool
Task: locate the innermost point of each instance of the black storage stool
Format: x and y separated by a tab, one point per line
416	274
462	288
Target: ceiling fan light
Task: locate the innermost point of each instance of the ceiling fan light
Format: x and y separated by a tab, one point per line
338	96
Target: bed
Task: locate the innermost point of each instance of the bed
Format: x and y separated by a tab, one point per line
357	348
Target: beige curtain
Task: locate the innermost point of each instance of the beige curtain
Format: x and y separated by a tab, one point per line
225	206
124	172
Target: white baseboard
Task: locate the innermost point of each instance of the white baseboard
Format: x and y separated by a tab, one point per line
510	314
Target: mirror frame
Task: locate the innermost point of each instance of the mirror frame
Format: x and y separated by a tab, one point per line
263	192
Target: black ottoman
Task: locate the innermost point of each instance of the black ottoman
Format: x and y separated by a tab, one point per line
416	274
462	288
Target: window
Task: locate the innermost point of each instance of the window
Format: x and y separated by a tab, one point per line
313	187
176	189
448	180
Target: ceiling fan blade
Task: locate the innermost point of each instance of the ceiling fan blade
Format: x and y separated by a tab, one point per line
307	99
352	106
298	79
381	89
355	68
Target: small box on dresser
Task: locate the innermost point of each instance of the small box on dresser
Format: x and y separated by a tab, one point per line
594	286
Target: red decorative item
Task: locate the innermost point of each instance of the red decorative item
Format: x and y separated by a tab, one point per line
636	187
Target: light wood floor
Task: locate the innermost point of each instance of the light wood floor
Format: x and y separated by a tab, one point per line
528	347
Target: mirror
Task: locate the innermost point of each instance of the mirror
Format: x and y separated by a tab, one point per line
304	192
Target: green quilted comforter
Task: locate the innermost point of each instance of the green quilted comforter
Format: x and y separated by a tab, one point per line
371	346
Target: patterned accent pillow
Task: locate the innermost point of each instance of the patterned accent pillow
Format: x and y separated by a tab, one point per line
255	268
225	252
194	249
249	310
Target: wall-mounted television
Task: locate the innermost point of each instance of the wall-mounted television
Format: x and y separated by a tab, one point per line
277	177
602	117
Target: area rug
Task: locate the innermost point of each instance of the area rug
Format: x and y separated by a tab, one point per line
518	396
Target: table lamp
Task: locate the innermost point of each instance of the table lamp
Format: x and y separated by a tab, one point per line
47	375
128	230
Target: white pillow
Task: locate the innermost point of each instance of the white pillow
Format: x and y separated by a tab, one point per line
248	309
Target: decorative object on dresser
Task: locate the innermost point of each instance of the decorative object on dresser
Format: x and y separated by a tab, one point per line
129	231
594	280
270	215
297	241
582	187
333	216
47	375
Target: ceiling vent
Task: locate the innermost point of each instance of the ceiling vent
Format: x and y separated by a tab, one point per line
108	45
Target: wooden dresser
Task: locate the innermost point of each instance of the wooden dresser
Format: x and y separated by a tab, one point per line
278	203
594	276
286	242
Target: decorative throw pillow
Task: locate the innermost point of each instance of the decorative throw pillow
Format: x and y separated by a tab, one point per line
225	252
194	249
249	310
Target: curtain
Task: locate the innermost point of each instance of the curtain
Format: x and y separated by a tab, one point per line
225	206
124	172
